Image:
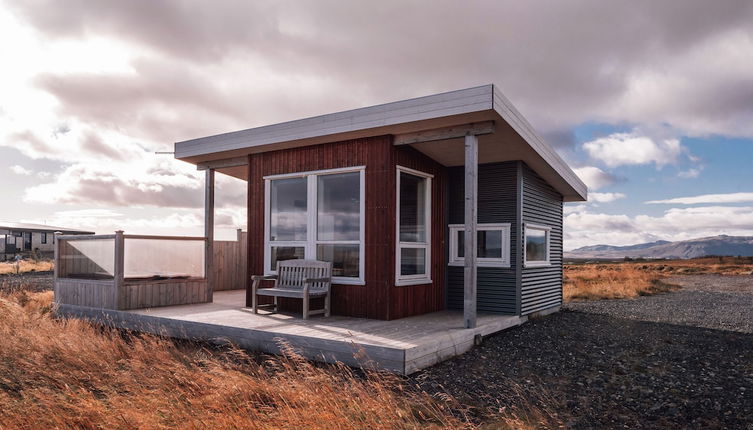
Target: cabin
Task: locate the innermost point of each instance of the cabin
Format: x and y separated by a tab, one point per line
25	239
441	218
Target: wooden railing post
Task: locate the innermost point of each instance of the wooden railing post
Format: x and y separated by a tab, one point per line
209	233
119	272
56	269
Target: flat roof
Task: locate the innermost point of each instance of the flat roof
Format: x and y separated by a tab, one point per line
513	139
39	228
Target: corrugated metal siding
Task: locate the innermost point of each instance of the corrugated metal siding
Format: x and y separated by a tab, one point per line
541	287
497	203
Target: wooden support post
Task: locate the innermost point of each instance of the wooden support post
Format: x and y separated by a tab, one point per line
56	269
471	206
119	272
209	233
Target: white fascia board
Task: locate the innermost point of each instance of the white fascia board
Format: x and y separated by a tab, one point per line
458	102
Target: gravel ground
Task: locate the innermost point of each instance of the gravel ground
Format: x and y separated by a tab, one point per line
711	301
614	364
30	281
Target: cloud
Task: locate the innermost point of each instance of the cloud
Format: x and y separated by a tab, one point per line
334	56
693	172
619	149
594	177
112	185
707	199
586	228
20	170
605	197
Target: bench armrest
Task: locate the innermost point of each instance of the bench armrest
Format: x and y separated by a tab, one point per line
263	277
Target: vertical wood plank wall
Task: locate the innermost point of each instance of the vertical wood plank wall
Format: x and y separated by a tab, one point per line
230	263
419	299
379	298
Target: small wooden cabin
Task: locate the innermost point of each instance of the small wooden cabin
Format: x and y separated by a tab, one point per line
450	201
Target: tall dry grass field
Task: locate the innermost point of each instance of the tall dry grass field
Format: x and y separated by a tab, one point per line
23	266
71	374
611	281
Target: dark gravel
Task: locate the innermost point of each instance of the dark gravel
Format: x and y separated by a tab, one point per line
711	301
609	369
30	281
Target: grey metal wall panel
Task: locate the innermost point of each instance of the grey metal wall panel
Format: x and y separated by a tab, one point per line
497	203
541	287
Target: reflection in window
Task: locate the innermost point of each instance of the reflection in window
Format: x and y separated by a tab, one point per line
488	244
412	208
492	245
413	212
537	245
412	261
338	207
335	216
282	253
344	258
288	209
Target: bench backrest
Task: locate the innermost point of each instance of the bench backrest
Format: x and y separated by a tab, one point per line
293	273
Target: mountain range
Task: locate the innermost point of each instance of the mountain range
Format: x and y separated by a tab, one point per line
714	245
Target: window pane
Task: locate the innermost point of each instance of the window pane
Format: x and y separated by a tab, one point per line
339	206
535	245
412	261
412	208
282	253
344	259
287	202
488	245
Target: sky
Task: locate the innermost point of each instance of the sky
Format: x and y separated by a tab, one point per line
651	103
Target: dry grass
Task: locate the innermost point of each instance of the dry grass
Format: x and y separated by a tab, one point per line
615	281
71	374
639	278
24	266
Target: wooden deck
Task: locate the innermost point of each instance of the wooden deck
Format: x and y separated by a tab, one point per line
403	346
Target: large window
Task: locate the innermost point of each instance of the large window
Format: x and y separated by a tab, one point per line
317	215
492	245
536	245
413	253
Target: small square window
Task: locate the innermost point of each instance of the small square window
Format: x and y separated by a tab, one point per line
492	245
536	245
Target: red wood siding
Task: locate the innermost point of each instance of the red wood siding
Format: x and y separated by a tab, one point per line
379	298
419	299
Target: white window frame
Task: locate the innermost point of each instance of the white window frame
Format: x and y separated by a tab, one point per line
537	263
309	245
425	278
504	261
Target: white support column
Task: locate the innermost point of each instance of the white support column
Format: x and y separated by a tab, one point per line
471	206
209	233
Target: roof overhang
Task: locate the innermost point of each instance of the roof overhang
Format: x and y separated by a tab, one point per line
511	137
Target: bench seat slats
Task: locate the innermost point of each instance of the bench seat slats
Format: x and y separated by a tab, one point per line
288	292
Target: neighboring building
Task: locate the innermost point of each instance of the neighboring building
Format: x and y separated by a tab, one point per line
25	239
381	192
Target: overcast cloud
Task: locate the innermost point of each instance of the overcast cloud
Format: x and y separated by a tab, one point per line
97	88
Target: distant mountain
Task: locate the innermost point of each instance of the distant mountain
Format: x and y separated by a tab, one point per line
715	245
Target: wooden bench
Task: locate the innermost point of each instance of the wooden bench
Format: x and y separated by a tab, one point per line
298	279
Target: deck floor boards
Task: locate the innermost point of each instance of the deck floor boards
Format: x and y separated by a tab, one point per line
404	345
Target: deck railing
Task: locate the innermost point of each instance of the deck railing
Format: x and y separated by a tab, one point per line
130	271
97	257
